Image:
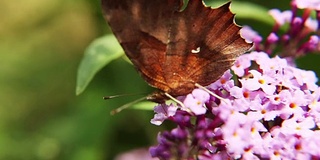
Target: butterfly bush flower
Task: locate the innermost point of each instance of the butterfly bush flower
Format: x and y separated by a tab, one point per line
309	4
269	108
258	117
298	39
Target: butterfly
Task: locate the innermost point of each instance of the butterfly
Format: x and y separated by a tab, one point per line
175	48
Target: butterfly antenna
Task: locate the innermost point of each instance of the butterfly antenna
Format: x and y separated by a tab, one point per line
210	92
119	109
120	95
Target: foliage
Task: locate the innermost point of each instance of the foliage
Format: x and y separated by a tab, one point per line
40	115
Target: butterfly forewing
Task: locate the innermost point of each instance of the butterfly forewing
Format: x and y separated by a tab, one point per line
142	28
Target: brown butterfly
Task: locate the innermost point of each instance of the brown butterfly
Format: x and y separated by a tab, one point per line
173	48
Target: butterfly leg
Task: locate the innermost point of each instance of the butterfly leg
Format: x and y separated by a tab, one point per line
210	92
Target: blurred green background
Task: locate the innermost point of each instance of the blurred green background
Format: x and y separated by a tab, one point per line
42	43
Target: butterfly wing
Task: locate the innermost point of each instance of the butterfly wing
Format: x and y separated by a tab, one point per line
204	44
174	49
142	28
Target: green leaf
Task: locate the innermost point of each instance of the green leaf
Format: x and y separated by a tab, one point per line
99	53
247	10
252	11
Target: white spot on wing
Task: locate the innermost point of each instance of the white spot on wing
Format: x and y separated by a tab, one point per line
195	50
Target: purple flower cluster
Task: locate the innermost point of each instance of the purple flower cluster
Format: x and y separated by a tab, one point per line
262	108
301	34
271	111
